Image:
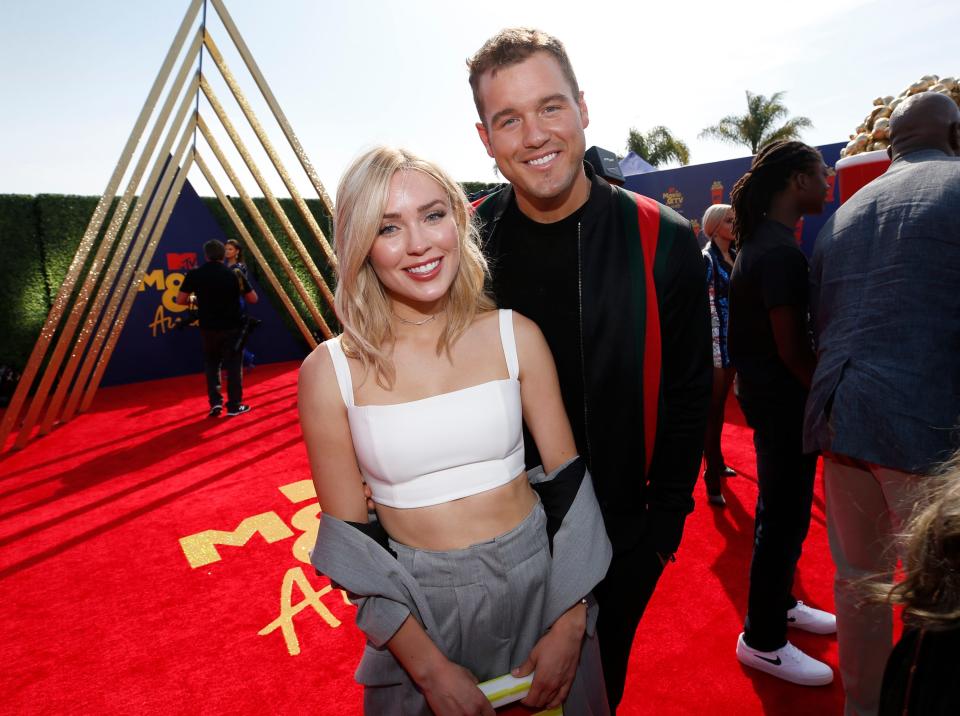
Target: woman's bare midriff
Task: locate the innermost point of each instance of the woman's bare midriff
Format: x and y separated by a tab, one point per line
461	523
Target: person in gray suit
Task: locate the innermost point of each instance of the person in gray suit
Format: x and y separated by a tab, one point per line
885	398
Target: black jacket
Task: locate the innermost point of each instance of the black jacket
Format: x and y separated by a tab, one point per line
633	333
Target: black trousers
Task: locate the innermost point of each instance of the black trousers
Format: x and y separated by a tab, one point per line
218	354
785	478
622	597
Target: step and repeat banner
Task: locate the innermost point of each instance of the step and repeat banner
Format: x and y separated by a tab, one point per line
690	190
154	344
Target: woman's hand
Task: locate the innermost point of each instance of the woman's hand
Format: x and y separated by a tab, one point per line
451	690
555	658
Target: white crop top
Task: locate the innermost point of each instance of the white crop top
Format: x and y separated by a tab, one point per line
441	448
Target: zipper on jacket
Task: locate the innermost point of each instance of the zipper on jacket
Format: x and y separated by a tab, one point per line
583	362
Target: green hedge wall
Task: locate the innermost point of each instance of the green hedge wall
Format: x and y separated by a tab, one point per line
25	291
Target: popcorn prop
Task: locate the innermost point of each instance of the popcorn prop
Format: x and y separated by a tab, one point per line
874	132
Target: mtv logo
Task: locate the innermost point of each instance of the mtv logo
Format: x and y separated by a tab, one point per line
181	262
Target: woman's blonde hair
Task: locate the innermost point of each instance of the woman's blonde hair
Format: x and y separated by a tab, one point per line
712	218
361	302
930	590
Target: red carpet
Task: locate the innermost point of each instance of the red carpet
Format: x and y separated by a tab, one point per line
102	612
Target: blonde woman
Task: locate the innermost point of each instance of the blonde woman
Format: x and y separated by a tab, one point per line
718	255
465	572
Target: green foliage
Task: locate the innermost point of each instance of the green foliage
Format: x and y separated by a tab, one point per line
61	221
24	293
658	146
472	187
39	237
757	127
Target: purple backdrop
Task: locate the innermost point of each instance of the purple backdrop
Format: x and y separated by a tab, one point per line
149	346
690	190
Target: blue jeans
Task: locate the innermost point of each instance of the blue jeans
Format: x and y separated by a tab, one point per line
785	478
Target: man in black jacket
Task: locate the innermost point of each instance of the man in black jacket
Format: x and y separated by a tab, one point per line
616	283
218	290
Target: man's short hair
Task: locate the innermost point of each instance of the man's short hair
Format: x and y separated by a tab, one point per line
213	250
511	47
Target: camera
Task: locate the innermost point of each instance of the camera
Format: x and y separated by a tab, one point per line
249	326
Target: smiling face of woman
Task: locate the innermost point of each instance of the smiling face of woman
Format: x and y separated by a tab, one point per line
416	254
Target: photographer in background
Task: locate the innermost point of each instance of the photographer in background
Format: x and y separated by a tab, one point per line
218	290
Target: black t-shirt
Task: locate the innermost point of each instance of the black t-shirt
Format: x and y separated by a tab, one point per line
218	290
770	271
537	274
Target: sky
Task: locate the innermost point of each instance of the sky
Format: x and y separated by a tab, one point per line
349	75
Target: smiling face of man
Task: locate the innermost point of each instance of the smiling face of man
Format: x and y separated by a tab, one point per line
533	127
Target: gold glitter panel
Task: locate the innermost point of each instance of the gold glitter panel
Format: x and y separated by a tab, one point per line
87	339
273	104
267	193
268	148
129	262
255	250
264	229
102	293
157	232
130	280
61	304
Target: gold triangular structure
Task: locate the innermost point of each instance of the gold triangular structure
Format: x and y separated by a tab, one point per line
117	268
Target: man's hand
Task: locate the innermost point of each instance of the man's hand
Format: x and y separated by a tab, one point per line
555	658
451	690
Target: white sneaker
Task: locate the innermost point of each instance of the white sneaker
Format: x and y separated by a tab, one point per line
810	619
787	663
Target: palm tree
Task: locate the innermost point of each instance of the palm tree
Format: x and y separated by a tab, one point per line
757	127
658	146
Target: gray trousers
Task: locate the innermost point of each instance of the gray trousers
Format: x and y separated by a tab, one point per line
488	601
866	508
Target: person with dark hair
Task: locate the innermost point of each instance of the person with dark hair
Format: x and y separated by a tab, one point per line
219	290
922	675
616	283
885	399
718	256
233	258
770	348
